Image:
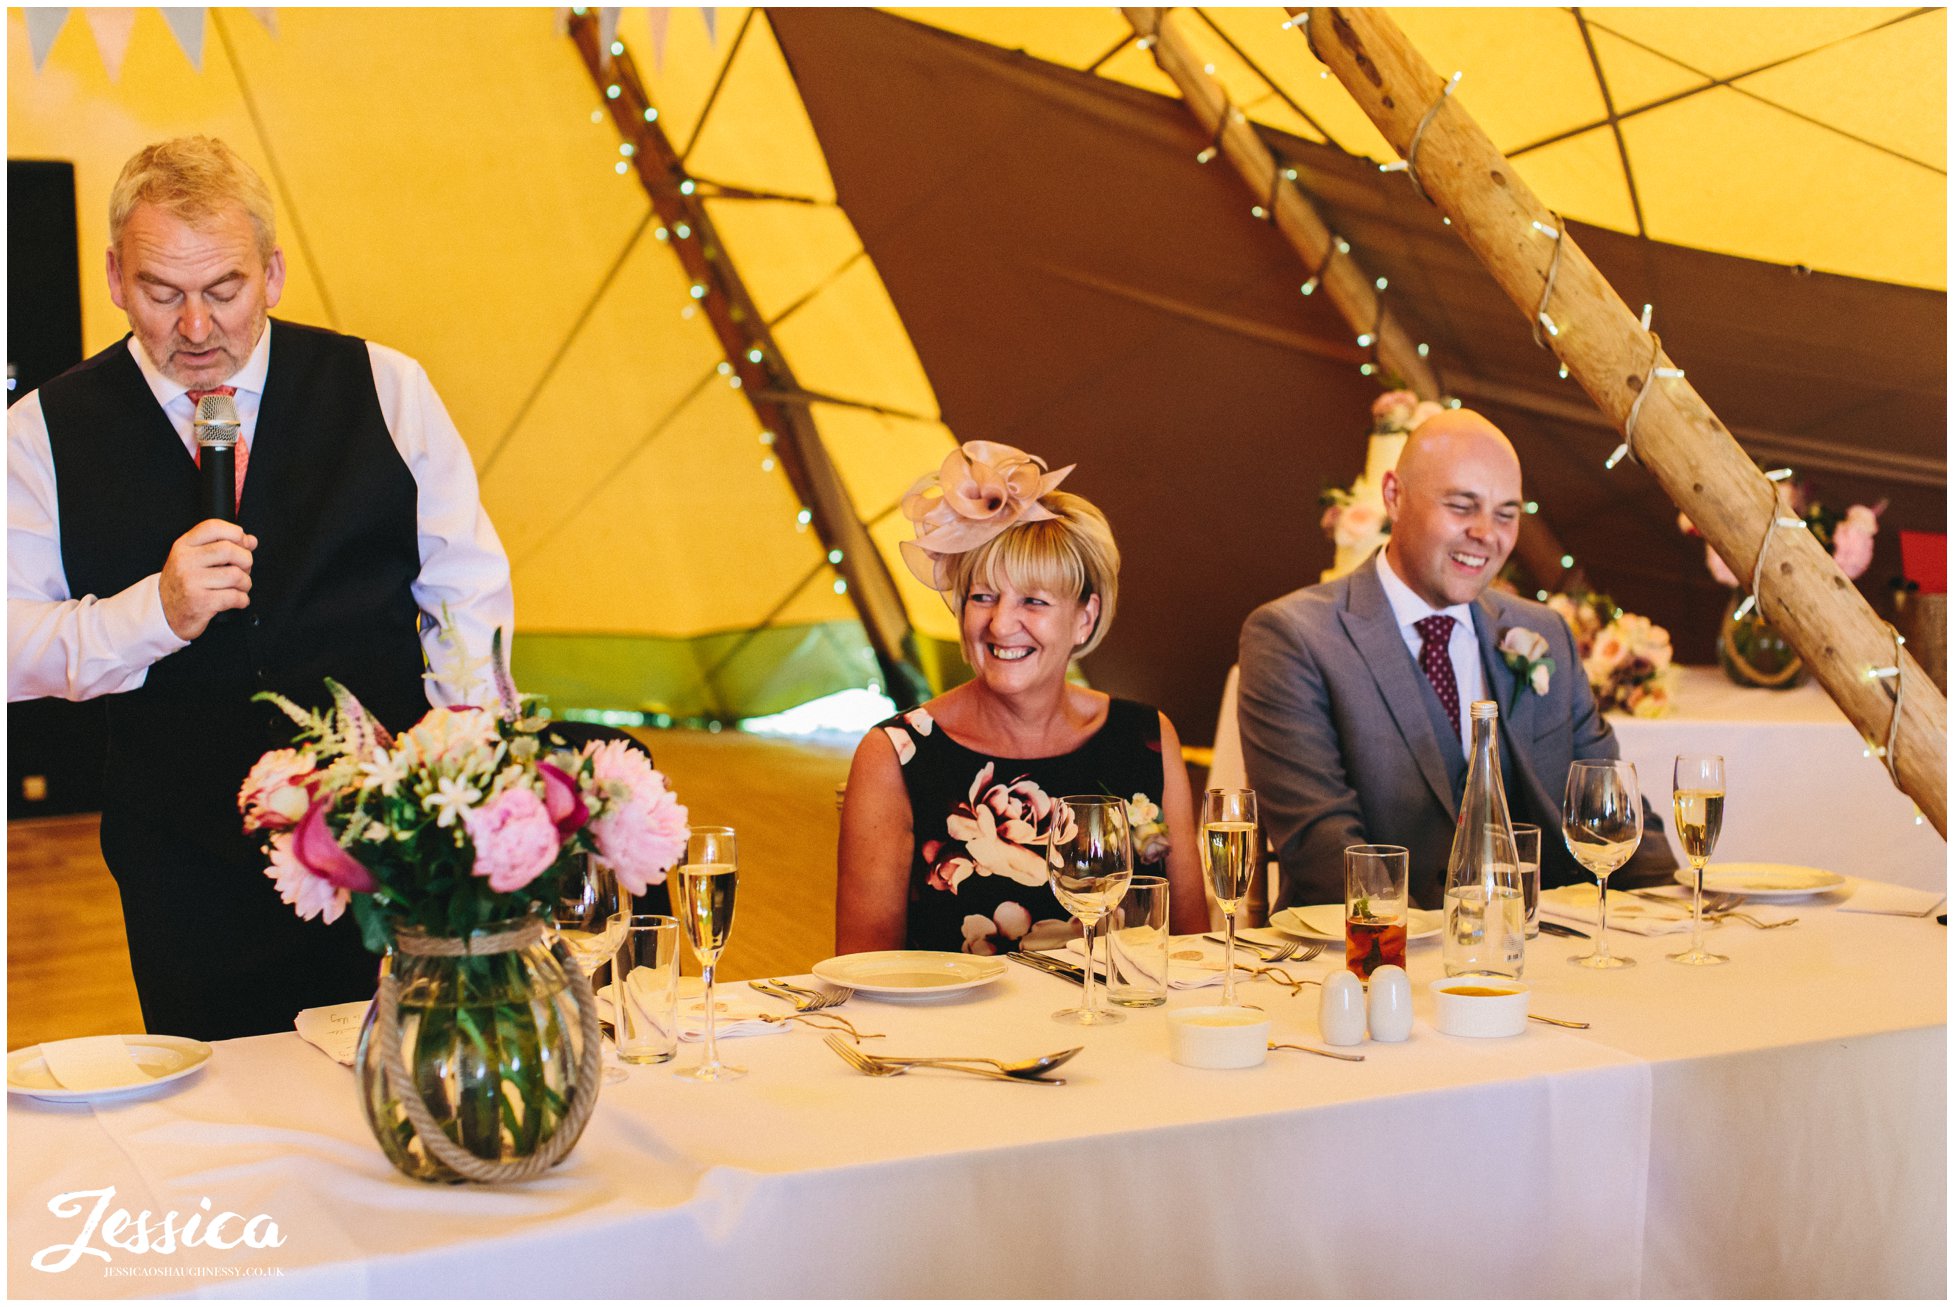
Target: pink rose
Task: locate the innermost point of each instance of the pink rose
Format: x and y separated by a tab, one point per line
310	894
641	830
515	840
950	873
1608	652
318	851
276	793
1362	519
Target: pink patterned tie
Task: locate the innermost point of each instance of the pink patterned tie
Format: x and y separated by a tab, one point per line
1435	657
243	454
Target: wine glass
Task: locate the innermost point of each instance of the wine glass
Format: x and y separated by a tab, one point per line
591	920
1699	820
1090	862
702	900
1601	820
1231	838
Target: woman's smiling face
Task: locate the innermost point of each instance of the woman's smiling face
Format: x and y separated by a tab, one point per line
1018	640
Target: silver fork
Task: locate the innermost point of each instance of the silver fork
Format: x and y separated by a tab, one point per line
804	1000
1282	952
870	1066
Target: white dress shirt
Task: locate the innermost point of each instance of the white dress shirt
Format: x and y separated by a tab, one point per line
78	647
1463	646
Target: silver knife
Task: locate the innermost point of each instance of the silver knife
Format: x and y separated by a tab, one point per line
1050	966
1555	928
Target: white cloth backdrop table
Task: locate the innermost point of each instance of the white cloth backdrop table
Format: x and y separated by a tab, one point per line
1775	1127
1801	789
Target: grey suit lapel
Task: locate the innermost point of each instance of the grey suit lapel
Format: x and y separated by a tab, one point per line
1499	677
1373	628
1517	703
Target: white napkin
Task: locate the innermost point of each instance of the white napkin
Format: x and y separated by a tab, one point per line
335	1030
737	1013
92	1062
1892	900
1579	905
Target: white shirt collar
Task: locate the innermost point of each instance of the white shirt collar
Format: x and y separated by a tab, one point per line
250	377
1406	604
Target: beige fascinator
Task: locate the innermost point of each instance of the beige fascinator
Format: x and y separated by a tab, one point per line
981	489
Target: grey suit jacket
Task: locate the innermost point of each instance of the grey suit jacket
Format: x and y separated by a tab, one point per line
1345	741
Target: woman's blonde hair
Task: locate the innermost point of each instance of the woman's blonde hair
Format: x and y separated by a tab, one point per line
1070	554
193	178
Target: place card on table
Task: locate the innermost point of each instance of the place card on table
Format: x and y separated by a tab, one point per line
335	1030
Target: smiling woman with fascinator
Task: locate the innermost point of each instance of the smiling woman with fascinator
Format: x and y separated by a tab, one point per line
949	805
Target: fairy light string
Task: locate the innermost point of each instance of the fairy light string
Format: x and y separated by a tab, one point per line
1655	372
1409	164
1540	318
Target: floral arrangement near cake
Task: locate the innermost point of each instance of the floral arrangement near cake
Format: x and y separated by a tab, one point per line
1353	517
1627	657
1751	651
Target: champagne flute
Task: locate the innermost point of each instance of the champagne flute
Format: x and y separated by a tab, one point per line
1231	839
591	917
1601	819
1699	820
702	900
1090	862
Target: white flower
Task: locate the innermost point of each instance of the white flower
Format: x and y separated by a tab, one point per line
921	720
905	747
1141	811
452	799
1538	678
384	770
1528	644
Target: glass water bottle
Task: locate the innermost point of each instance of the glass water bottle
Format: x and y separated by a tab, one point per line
1485	912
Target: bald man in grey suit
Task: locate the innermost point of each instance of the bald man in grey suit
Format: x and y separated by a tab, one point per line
1349	739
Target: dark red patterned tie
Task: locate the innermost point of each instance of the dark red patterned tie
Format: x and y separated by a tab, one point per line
243	454
1435	656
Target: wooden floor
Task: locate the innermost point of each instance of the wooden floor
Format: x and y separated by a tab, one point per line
68	968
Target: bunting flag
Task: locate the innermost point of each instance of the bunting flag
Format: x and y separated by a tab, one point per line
188	27
660	21
269	17
112	28
43	25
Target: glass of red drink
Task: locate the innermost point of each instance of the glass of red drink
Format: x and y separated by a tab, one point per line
1376	906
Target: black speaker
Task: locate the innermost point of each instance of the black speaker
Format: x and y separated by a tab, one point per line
54	748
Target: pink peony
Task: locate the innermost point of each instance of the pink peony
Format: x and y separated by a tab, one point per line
446	736
317	849
515	840
276	793
641	829
311	894
567	809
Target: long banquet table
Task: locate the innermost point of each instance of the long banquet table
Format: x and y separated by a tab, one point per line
1772	1128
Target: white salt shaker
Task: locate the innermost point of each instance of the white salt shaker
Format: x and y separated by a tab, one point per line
1340	1012
1390	1005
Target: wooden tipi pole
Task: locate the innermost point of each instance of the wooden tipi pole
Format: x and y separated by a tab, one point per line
759	366
1339	272
1672	431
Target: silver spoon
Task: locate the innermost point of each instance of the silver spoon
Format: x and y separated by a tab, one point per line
1028	1069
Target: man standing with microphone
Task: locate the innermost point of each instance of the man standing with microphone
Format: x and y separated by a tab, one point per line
356	540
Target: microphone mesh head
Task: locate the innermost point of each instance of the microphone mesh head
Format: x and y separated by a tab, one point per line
216	421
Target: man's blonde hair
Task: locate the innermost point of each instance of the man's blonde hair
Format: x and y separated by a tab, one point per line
193	178
1070	555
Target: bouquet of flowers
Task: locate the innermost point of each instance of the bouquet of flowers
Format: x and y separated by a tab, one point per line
1848	535
1354	518
1626	656
464	820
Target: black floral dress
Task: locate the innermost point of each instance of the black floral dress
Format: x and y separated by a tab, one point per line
977	880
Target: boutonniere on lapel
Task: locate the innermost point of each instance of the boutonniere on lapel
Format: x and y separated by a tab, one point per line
1525	652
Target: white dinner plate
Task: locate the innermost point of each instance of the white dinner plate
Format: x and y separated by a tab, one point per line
162	1058
1763	880
1325	921
907	973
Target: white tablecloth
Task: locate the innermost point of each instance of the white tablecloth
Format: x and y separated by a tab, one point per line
1775	1127
1801	789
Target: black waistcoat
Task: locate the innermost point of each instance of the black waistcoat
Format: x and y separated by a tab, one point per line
333	507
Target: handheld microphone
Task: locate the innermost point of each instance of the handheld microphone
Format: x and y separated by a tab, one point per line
216	428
